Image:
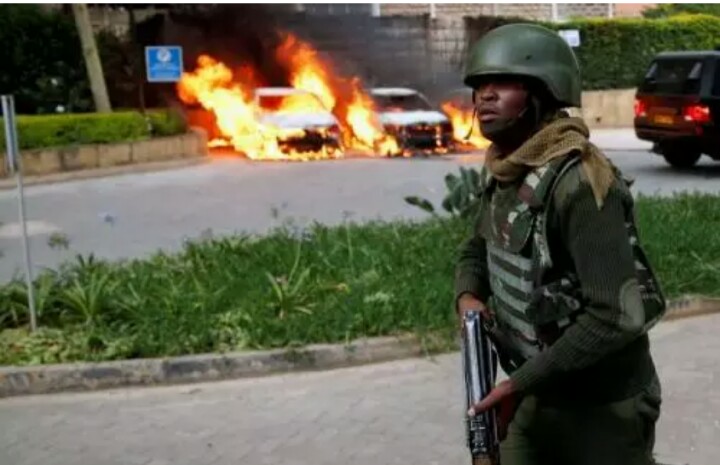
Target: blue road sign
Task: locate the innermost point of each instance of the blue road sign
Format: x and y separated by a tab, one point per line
164	63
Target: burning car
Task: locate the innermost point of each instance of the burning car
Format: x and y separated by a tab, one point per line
410	118
319	114
295	121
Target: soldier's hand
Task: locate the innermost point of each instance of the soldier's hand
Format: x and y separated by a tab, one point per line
505	414
500	393
468	303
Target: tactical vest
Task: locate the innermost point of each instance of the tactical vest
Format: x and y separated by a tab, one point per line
527	307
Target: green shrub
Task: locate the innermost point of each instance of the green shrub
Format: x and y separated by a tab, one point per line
673	9
615	53
166	122
36	131
299	286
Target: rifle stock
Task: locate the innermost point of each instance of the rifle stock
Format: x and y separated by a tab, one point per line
479	373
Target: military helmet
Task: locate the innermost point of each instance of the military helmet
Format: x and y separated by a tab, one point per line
527	50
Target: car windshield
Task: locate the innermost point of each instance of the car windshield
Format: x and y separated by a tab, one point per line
674	76
411	102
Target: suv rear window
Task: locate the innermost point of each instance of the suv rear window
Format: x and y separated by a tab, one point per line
676	76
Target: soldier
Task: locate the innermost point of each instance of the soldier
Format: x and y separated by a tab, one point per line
555	266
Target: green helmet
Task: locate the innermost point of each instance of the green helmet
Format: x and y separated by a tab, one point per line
527	50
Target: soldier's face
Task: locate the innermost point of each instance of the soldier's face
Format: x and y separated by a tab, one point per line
500	100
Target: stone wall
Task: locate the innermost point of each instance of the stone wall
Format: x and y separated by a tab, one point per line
609	108
39	162
536	11
442	10
413	51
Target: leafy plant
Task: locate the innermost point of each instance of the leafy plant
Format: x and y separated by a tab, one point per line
463	195
288	292
290	287
90	296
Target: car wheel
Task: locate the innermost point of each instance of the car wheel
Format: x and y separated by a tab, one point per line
681	158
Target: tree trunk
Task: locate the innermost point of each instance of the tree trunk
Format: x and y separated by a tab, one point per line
138	52
92	59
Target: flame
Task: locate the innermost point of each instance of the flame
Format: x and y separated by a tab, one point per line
464	123
307	72
366	126
230	98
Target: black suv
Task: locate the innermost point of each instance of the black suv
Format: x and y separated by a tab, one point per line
677	106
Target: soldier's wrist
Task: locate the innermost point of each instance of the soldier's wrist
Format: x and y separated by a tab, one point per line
468	299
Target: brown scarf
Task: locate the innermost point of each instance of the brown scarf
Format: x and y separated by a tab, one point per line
556	139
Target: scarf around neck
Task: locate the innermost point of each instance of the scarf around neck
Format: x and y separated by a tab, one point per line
558	138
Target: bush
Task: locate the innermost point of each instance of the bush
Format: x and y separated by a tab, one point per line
299	286
167	122
673	9
36	131
615	53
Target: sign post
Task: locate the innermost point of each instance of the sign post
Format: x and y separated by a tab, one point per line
571	36
164	63
14	167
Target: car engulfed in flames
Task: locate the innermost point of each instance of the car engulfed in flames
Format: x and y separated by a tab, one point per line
409	117
313	132
319	114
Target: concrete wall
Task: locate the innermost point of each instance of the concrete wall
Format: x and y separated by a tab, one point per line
536	11
40	162
609	108
398	51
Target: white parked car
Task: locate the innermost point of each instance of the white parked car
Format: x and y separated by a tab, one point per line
408	116
299	119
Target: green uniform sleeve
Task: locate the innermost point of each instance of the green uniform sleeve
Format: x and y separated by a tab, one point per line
597	243
471	273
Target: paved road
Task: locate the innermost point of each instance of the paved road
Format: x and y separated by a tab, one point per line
406	412
134	215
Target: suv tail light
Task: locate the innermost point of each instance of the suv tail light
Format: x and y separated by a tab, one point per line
697	113
640	108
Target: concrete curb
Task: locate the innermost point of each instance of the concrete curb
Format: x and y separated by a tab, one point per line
45	379
9	183
691	306
17	381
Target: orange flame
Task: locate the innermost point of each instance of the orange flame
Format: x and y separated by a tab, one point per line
307	72
230	98
464	123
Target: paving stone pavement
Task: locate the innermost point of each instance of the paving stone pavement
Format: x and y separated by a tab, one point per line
406	412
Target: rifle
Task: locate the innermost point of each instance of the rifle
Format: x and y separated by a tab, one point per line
479	368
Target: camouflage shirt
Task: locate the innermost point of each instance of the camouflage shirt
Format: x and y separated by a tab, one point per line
604	355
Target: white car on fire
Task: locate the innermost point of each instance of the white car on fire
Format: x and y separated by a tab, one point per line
408	116
298	121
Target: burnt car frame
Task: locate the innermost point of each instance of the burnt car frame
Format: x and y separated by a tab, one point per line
407	115
316	131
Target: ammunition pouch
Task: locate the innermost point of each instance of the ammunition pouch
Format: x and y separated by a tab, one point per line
554	307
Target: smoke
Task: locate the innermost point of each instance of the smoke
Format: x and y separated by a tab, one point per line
386	51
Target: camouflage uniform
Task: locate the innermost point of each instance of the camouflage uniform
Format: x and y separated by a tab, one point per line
572	296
